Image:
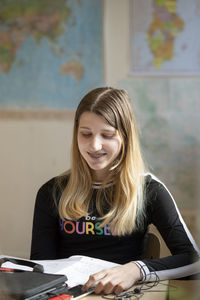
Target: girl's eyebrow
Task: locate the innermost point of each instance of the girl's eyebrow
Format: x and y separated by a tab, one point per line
109	130
84	127
103	130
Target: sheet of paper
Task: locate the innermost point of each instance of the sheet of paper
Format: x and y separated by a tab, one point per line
76	268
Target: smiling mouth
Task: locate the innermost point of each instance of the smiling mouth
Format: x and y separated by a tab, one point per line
96	155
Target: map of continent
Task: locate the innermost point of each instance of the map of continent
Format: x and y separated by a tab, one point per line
163	30
50	52
24	18
164	37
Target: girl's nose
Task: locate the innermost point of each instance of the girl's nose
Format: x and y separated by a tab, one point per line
95	144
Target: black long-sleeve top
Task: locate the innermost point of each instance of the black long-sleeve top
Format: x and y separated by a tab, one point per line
53	238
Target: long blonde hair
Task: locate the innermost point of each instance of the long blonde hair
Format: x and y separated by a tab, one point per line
125	198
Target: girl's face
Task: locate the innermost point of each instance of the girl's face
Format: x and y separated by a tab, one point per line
99	143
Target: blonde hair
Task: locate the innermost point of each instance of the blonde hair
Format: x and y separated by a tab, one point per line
125	198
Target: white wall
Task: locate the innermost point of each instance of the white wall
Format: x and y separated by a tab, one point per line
116	40
31	152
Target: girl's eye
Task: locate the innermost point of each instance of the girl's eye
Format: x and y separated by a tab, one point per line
89	134
85	134
105	136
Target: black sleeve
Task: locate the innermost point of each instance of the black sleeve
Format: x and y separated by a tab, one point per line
164	214
45	224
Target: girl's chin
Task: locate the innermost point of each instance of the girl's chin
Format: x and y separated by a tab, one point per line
97	169
99	172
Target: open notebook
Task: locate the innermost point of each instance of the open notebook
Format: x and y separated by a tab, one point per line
77	268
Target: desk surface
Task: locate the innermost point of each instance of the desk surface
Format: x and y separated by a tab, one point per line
173	290
185	290
158	292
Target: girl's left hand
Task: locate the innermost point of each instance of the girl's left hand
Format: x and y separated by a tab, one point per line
114	280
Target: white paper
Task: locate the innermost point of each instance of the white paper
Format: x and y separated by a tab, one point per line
76	268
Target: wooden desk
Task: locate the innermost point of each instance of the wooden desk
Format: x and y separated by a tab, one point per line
158	292
173	290
185	290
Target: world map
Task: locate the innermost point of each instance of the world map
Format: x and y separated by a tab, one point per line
50	52
164	37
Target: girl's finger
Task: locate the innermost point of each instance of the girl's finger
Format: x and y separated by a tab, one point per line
94	278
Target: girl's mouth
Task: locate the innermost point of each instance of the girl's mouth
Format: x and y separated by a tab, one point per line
96	155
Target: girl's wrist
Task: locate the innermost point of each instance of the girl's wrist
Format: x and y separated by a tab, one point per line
136	270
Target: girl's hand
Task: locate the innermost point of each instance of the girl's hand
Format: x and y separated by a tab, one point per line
114	280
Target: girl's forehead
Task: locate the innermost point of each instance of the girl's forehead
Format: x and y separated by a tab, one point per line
91	119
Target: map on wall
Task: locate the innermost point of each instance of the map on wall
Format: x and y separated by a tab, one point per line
50	52
165	37
167	113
